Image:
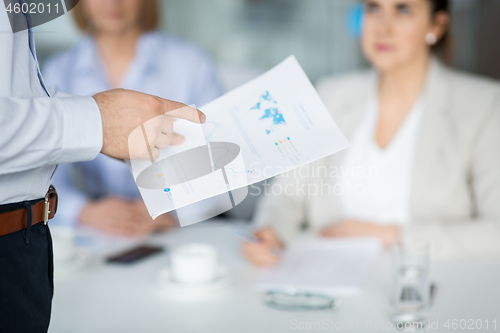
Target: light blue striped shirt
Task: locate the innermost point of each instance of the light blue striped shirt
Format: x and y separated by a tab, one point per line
37	131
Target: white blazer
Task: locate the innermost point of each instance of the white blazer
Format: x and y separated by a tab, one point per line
455	192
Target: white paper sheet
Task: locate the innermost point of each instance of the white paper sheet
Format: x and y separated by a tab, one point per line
278	122
335	267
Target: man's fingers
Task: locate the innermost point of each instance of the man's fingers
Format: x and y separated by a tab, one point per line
156	134
162	142
185	112
176	139
155	153
167	125
147	140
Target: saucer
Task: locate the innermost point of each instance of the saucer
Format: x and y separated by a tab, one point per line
78	261
165	281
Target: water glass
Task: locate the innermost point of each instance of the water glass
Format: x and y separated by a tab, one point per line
411	282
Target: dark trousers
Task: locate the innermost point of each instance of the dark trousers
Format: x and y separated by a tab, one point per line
26	279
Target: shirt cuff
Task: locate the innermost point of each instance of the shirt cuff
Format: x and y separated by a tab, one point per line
82	136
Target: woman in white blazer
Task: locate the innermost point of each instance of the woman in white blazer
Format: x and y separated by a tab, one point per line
424	159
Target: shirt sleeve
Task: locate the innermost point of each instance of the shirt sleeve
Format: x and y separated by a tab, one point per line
48	130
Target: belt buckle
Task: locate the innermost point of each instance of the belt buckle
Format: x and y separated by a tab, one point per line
46	210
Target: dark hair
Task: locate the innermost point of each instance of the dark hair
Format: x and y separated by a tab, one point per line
444	47
149	18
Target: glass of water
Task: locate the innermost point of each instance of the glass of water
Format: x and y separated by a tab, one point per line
411	282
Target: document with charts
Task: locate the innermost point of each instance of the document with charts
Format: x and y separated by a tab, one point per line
271	125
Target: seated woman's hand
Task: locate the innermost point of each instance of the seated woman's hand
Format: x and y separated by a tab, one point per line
388	234
264	253
146	223
122	217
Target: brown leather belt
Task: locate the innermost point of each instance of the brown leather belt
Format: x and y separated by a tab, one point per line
41	211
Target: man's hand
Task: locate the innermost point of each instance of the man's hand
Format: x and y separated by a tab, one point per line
137	125
388	234
123	217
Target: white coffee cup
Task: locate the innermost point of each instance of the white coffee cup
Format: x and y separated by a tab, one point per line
63	243
194	263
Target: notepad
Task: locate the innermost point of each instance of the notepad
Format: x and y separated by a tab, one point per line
336	267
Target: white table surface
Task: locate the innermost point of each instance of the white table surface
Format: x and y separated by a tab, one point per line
118	298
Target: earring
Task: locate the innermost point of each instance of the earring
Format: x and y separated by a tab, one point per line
431	38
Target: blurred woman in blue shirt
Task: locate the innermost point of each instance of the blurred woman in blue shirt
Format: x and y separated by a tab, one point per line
122	50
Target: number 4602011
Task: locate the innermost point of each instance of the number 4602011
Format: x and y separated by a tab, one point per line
32	8
470	324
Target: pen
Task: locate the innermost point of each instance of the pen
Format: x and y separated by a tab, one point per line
247	236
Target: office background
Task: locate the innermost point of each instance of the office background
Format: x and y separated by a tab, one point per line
247	37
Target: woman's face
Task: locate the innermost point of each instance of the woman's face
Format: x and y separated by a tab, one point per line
113	16
394	32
